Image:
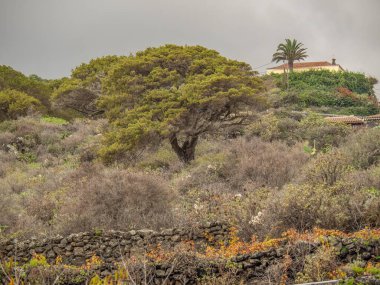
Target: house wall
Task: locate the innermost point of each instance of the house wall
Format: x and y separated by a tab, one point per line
330	68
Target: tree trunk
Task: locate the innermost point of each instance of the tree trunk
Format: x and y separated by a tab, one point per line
186	152
290	65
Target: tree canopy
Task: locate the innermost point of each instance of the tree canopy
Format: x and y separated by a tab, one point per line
80	92
290	51
176	93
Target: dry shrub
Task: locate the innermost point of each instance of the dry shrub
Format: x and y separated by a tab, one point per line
160	158
322	134
304	207
115	199
254	163
7	161
369	178
41	140
326	168
33	196
275	126
81	131
231	184
5	139
363	148
365	187
10	209
318	266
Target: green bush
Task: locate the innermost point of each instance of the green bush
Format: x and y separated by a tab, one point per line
32	85
318	88
15	103
328	80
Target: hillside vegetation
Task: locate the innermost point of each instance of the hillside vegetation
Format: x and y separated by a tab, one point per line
181	136
346	93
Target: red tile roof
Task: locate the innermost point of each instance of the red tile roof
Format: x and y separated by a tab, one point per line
372	117
304	65
345	119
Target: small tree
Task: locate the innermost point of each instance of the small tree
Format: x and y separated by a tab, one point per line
14	104
175	93
290	51
32	85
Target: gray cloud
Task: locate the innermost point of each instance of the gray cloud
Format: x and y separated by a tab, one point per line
50	37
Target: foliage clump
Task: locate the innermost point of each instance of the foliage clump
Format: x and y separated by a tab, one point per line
33	85
342	92
14	104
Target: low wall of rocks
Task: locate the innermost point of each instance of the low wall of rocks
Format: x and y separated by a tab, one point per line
113	246
254	266
110	246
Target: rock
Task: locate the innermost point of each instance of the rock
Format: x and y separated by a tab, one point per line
135	237
366	255
57	250
9	247
160	273
176	238
50	254
215	228
280	252
241	258
254	262
145	232
247	264
125	242
167	232
257	255
113	243
78	251
39	250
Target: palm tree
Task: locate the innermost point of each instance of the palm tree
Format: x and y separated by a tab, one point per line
290	51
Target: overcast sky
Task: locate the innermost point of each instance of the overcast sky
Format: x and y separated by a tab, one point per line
50	37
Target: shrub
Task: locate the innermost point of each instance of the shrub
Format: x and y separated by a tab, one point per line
363	148
261	164
318	266
327	80
304	207
14	104
32	86
322	134
273	126
318	88
327	168
114	199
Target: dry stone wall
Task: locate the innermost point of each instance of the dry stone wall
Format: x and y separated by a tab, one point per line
110	246
114	245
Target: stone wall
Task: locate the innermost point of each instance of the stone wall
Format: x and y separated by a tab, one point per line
109	246
112	246
255	266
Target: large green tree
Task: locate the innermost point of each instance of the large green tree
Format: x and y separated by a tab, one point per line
176	93
80	92
290	51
